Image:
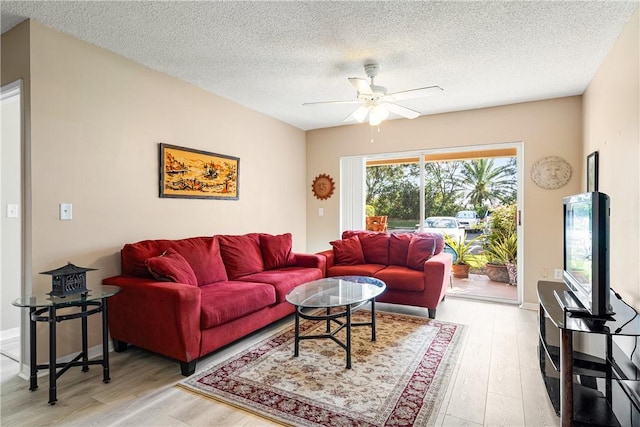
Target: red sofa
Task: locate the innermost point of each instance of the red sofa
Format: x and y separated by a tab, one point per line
186	298
413	265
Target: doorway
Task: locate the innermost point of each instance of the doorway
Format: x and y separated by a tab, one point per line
427	183
11	223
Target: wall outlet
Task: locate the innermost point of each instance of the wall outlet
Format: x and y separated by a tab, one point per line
544	273
557	274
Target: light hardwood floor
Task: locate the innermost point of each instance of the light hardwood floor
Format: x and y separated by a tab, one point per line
497	381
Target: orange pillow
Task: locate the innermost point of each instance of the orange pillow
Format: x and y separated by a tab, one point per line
171	267
348	251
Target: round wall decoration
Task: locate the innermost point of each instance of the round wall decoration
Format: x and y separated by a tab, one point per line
323	186
551	172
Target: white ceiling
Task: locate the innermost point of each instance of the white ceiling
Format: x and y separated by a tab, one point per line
274	56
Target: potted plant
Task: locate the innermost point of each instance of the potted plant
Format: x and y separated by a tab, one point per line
501	244
462	249
501	253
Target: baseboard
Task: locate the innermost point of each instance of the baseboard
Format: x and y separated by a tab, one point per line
529	306
94	353
9	334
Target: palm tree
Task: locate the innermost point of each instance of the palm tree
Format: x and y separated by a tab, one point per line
486	184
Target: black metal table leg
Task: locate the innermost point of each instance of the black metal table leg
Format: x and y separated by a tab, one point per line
105	343
33	368
373	319
297	334
52	355
328	320
348	310
85	346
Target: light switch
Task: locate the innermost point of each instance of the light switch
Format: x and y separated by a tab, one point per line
65	211
12	211
320	211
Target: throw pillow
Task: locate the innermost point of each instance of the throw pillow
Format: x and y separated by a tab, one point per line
241	255
375	247
439	239
420	250
203	254
348	251
276	251
171	266
399	248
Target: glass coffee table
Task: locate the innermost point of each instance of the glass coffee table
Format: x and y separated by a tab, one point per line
339	297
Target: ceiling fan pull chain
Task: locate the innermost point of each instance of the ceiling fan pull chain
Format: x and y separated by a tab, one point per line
371	130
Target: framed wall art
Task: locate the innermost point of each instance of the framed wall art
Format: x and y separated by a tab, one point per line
592	171
195	174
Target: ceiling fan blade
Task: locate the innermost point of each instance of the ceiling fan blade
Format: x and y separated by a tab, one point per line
414	93
361	85
402	111
351	101
359	115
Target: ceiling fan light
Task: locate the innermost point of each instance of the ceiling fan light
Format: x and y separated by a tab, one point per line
360	114
377	115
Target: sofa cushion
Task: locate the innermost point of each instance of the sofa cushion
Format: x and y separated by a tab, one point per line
241	255
421	248
225	301
401	278
202	253
276	251
354	270
375	247
348	251
285	279
439	239
350	233
399	248
171	266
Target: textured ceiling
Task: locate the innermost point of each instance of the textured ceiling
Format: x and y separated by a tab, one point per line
274	56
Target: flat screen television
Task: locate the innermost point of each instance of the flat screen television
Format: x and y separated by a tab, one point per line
586	251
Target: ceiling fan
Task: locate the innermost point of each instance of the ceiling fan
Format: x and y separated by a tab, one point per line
377	102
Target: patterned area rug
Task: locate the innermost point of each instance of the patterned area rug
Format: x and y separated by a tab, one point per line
400	379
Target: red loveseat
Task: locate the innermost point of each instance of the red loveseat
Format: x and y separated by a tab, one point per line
413	265
186	298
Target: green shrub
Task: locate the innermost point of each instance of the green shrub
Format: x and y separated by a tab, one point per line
501	244
503	220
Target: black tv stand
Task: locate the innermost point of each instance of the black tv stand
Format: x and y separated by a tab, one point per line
589	401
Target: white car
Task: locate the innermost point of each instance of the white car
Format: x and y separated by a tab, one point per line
468	219
444	224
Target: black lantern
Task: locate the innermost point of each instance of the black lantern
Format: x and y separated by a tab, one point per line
68	280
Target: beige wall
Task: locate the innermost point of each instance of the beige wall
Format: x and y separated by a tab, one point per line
545	128
611	126
96	121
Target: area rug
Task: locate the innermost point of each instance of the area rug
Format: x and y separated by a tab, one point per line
400	379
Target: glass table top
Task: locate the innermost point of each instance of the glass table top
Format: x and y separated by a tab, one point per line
45	300
335	291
